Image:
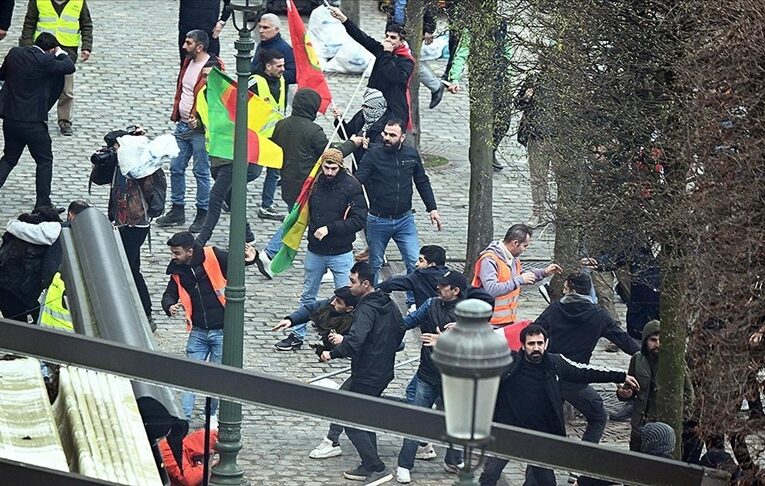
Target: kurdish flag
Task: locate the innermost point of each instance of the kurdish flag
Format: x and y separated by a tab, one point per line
221	113
309	73
294	225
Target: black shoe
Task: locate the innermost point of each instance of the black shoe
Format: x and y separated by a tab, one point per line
496	165
358	474
152	324
289	343
624	414
437	96
66	128
199	220
225	207
175	217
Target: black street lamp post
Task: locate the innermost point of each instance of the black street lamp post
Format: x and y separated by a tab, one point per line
471	357
227	471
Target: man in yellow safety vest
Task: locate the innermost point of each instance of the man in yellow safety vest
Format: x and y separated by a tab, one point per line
70	22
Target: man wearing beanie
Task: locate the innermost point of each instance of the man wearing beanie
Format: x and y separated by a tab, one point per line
337	210
643	367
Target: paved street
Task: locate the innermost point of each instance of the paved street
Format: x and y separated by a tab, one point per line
131	80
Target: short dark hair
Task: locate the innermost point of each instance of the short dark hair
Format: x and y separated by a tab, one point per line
518	232
200	37
395	121
396	28
364	271
434	254
581	283
532	330
76	207
46	41
183	239
267	56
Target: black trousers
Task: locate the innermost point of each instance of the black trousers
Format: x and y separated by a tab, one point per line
364	441
535	475
132	240
35	136
14	308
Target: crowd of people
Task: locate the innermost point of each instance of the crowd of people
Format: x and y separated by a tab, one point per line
370	198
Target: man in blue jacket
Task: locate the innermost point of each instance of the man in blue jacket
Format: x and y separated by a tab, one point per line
271	38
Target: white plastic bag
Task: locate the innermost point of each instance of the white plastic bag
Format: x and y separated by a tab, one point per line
436	50
352	58
138	157
326	32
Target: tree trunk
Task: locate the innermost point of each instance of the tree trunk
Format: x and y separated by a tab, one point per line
481	88
670	376
351	9
569	177
414	13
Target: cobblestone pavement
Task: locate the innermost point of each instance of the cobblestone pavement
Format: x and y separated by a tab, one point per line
131	79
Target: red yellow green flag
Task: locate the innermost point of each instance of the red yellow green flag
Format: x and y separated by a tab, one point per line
309	73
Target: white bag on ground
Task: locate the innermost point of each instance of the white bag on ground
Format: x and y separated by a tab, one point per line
436	50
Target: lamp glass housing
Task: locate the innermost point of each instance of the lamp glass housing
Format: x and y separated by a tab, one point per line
469	406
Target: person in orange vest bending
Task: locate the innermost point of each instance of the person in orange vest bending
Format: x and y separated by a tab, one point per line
196	286
499	273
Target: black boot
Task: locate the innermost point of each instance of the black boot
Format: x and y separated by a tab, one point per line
495	164
199	220
175	217
437	96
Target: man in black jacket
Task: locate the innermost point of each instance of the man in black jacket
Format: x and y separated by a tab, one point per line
371	344
387	172
196	289
337	211
34	79
392	68
575	325
430	266
529	397
206	15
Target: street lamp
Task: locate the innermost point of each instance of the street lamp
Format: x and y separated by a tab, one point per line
227	471
471	357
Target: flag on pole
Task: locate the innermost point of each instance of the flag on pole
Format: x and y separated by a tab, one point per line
294	225
219	119
309	73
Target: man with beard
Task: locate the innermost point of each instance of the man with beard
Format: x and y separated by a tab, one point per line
387	172
337	211
375	334
643	366
189	135
529	397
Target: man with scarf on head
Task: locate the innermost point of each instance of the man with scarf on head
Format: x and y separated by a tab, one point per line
373	107
392	69
337	211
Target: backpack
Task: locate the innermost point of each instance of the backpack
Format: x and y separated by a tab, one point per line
134	202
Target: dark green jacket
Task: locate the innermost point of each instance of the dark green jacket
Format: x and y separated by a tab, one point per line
302	142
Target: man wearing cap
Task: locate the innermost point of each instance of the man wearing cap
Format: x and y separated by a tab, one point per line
499	272
337	211
643	366
433	318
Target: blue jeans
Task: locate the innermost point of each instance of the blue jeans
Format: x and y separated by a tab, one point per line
202	345
425	395
399	11
275	243
190	143
315	267
404	232
269	188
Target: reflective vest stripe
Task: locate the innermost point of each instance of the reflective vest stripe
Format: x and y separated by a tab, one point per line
504	305
217	280
53	313
66	27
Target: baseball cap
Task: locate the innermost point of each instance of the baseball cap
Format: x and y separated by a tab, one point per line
453	278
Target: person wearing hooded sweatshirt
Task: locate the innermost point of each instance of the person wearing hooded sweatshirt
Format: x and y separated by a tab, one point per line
302	141
499	272
392	68
376	332
575	325
29	258
430	266
529	397
643	367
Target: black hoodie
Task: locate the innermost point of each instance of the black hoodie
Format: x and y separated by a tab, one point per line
371	344
575	325
421	282
302	142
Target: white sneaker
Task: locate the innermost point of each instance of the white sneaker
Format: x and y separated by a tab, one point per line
325	450
402	475
264	264
425	453
412	308
213	422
